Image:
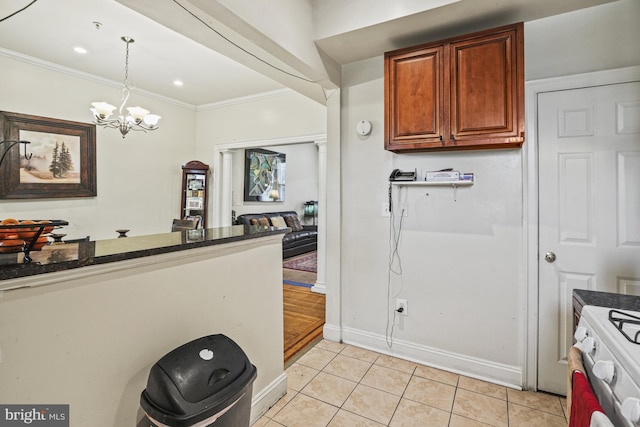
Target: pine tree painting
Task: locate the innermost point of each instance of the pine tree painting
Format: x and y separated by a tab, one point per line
55	159
61	162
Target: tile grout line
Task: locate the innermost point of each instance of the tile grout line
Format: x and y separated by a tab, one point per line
403	391
506	392
453	402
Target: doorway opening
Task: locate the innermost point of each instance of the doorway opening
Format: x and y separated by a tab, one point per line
304	310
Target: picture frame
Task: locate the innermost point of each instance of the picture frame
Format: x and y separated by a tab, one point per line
264	175
58	162
194	203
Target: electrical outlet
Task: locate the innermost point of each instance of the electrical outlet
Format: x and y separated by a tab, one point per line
401	307
384	210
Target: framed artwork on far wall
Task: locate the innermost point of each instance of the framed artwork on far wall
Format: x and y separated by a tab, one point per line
264	175
59	160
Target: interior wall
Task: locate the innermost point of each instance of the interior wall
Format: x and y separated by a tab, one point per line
301	180
598	38
138	178
281	115
463	271
333	17
459	250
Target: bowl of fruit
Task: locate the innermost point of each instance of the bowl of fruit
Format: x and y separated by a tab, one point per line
24	235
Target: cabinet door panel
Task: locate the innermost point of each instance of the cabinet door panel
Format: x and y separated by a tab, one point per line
414	98
485	101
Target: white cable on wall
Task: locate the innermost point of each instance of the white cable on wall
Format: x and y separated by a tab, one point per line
395	263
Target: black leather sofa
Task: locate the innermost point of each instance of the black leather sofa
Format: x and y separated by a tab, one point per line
301	238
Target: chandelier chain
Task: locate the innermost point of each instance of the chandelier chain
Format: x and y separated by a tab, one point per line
126	62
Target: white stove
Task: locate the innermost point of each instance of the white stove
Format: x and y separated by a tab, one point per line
610	343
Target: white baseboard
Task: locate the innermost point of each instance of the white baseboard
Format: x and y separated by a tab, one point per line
319	288
332	333
268	396
485	370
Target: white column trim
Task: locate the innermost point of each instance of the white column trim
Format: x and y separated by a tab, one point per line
227	181
321	277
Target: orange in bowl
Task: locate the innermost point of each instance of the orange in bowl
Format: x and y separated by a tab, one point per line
8	246
42	240
8	233
27	232
5	231
47	229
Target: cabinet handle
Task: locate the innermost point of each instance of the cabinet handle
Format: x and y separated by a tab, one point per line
441	138
453	138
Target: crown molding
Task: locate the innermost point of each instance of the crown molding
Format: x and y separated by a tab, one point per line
86	76
244	99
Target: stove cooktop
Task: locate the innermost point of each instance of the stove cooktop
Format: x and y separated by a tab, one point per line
627	323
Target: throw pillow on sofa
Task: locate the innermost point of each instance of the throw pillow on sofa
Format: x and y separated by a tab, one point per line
278	221
293	222
264	222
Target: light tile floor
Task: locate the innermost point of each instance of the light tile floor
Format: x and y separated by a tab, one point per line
339	385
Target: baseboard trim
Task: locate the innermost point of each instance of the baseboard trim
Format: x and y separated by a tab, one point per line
319	288
485	370
332	333
268	396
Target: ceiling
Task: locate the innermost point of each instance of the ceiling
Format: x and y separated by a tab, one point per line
449	20
49	30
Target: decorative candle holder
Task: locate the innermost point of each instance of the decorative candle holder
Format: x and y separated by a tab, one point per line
57	238
122	233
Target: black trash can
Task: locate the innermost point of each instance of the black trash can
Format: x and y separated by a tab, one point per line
206	382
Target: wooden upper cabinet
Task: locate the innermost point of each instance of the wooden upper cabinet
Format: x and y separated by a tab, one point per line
461	93
416	98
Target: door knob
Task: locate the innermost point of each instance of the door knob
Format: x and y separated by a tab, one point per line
550	257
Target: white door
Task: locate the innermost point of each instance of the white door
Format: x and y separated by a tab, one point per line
589	201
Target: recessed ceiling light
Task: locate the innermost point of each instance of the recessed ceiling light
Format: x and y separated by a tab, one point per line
178	82
79	49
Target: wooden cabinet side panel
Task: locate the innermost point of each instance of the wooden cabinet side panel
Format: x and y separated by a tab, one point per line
414	98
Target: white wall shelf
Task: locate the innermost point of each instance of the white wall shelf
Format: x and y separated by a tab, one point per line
453	184
432	183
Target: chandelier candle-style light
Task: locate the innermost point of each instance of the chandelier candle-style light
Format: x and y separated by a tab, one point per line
137	119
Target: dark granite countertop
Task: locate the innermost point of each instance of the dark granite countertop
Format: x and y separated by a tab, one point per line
607	299
59	257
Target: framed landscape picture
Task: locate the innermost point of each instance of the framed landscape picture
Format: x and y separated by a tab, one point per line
58	161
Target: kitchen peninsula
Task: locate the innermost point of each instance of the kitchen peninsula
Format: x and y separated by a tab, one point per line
55	258
84	327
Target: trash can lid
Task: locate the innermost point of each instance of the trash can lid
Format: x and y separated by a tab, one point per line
198	375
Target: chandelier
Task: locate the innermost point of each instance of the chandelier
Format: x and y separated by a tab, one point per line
137	118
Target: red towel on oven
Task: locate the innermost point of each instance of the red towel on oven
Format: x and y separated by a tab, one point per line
583	401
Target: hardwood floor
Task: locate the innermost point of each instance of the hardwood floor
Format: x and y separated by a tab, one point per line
304	313
298	276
